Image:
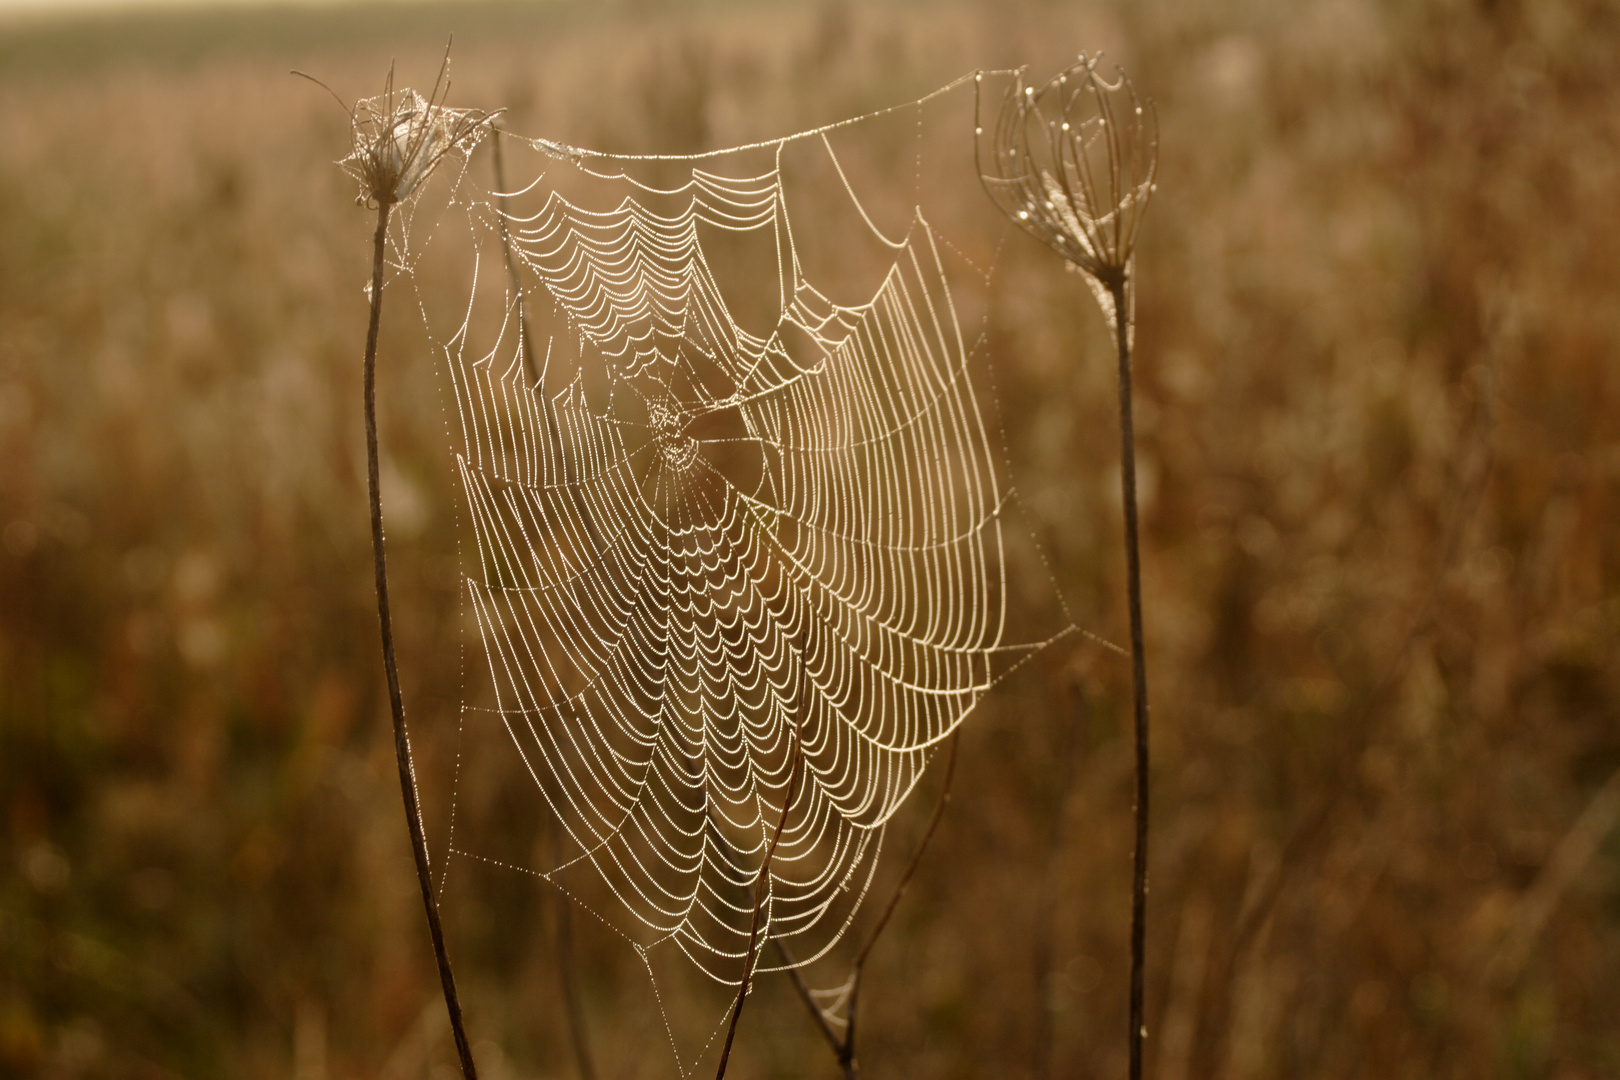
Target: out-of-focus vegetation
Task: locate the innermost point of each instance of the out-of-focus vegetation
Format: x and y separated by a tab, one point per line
1380	415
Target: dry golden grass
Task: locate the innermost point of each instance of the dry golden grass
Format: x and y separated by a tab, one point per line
1380	437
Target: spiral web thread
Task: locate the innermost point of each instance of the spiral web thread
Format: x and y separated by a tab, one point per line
708	555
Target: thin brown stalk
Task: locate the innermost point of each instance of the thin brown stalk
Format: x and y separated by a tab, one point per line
561	906
1133	570
844	1048
818	1017
762	888
548	412
1570	858
396	702
847	1056
513	280
1074	165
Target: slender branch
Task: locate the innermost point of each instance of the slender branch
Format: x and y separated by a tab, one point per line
396	702
512	277
816	1015
1119	289
847	1056
844	1049
1569	859
762	888
561	903
916	855
548	412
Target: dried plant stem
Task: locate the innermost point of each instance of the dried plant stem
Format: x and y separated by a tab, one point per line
847	1056
1079	183
762	888
561	904
396	703
1117	288
512	277
816	1015
844	1049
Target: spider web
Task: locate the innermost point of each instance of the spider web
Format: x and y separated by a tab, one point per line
731	537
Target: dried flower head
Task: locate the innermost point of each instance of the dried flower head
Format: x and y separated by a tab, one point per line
1074	163
400	137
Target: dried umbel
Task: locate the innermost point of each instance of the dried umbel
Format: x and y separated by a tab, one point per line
1073	163
400	137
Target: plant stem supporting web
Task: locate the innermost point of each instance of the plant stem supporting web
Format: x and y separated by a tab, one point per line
1133	574
1074	166
561	905
762	889
396	703
844	1049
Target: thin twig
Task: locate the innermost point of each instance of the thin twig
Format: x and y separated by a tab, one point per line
816	1014
916	855
396	702
762	883
1569	859
512	277
548	411
762	888
561	904
844	1049
847	1056
1118	288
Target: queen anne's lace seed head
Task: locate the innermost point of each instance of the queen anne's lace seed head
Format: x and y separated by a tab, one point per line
400	137
1073	164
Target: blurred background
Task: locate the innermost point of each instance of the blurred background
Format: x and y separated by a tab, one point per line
1380	442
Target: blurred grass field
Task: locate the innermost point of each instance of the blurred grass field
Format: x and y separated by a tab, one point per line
1379	364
